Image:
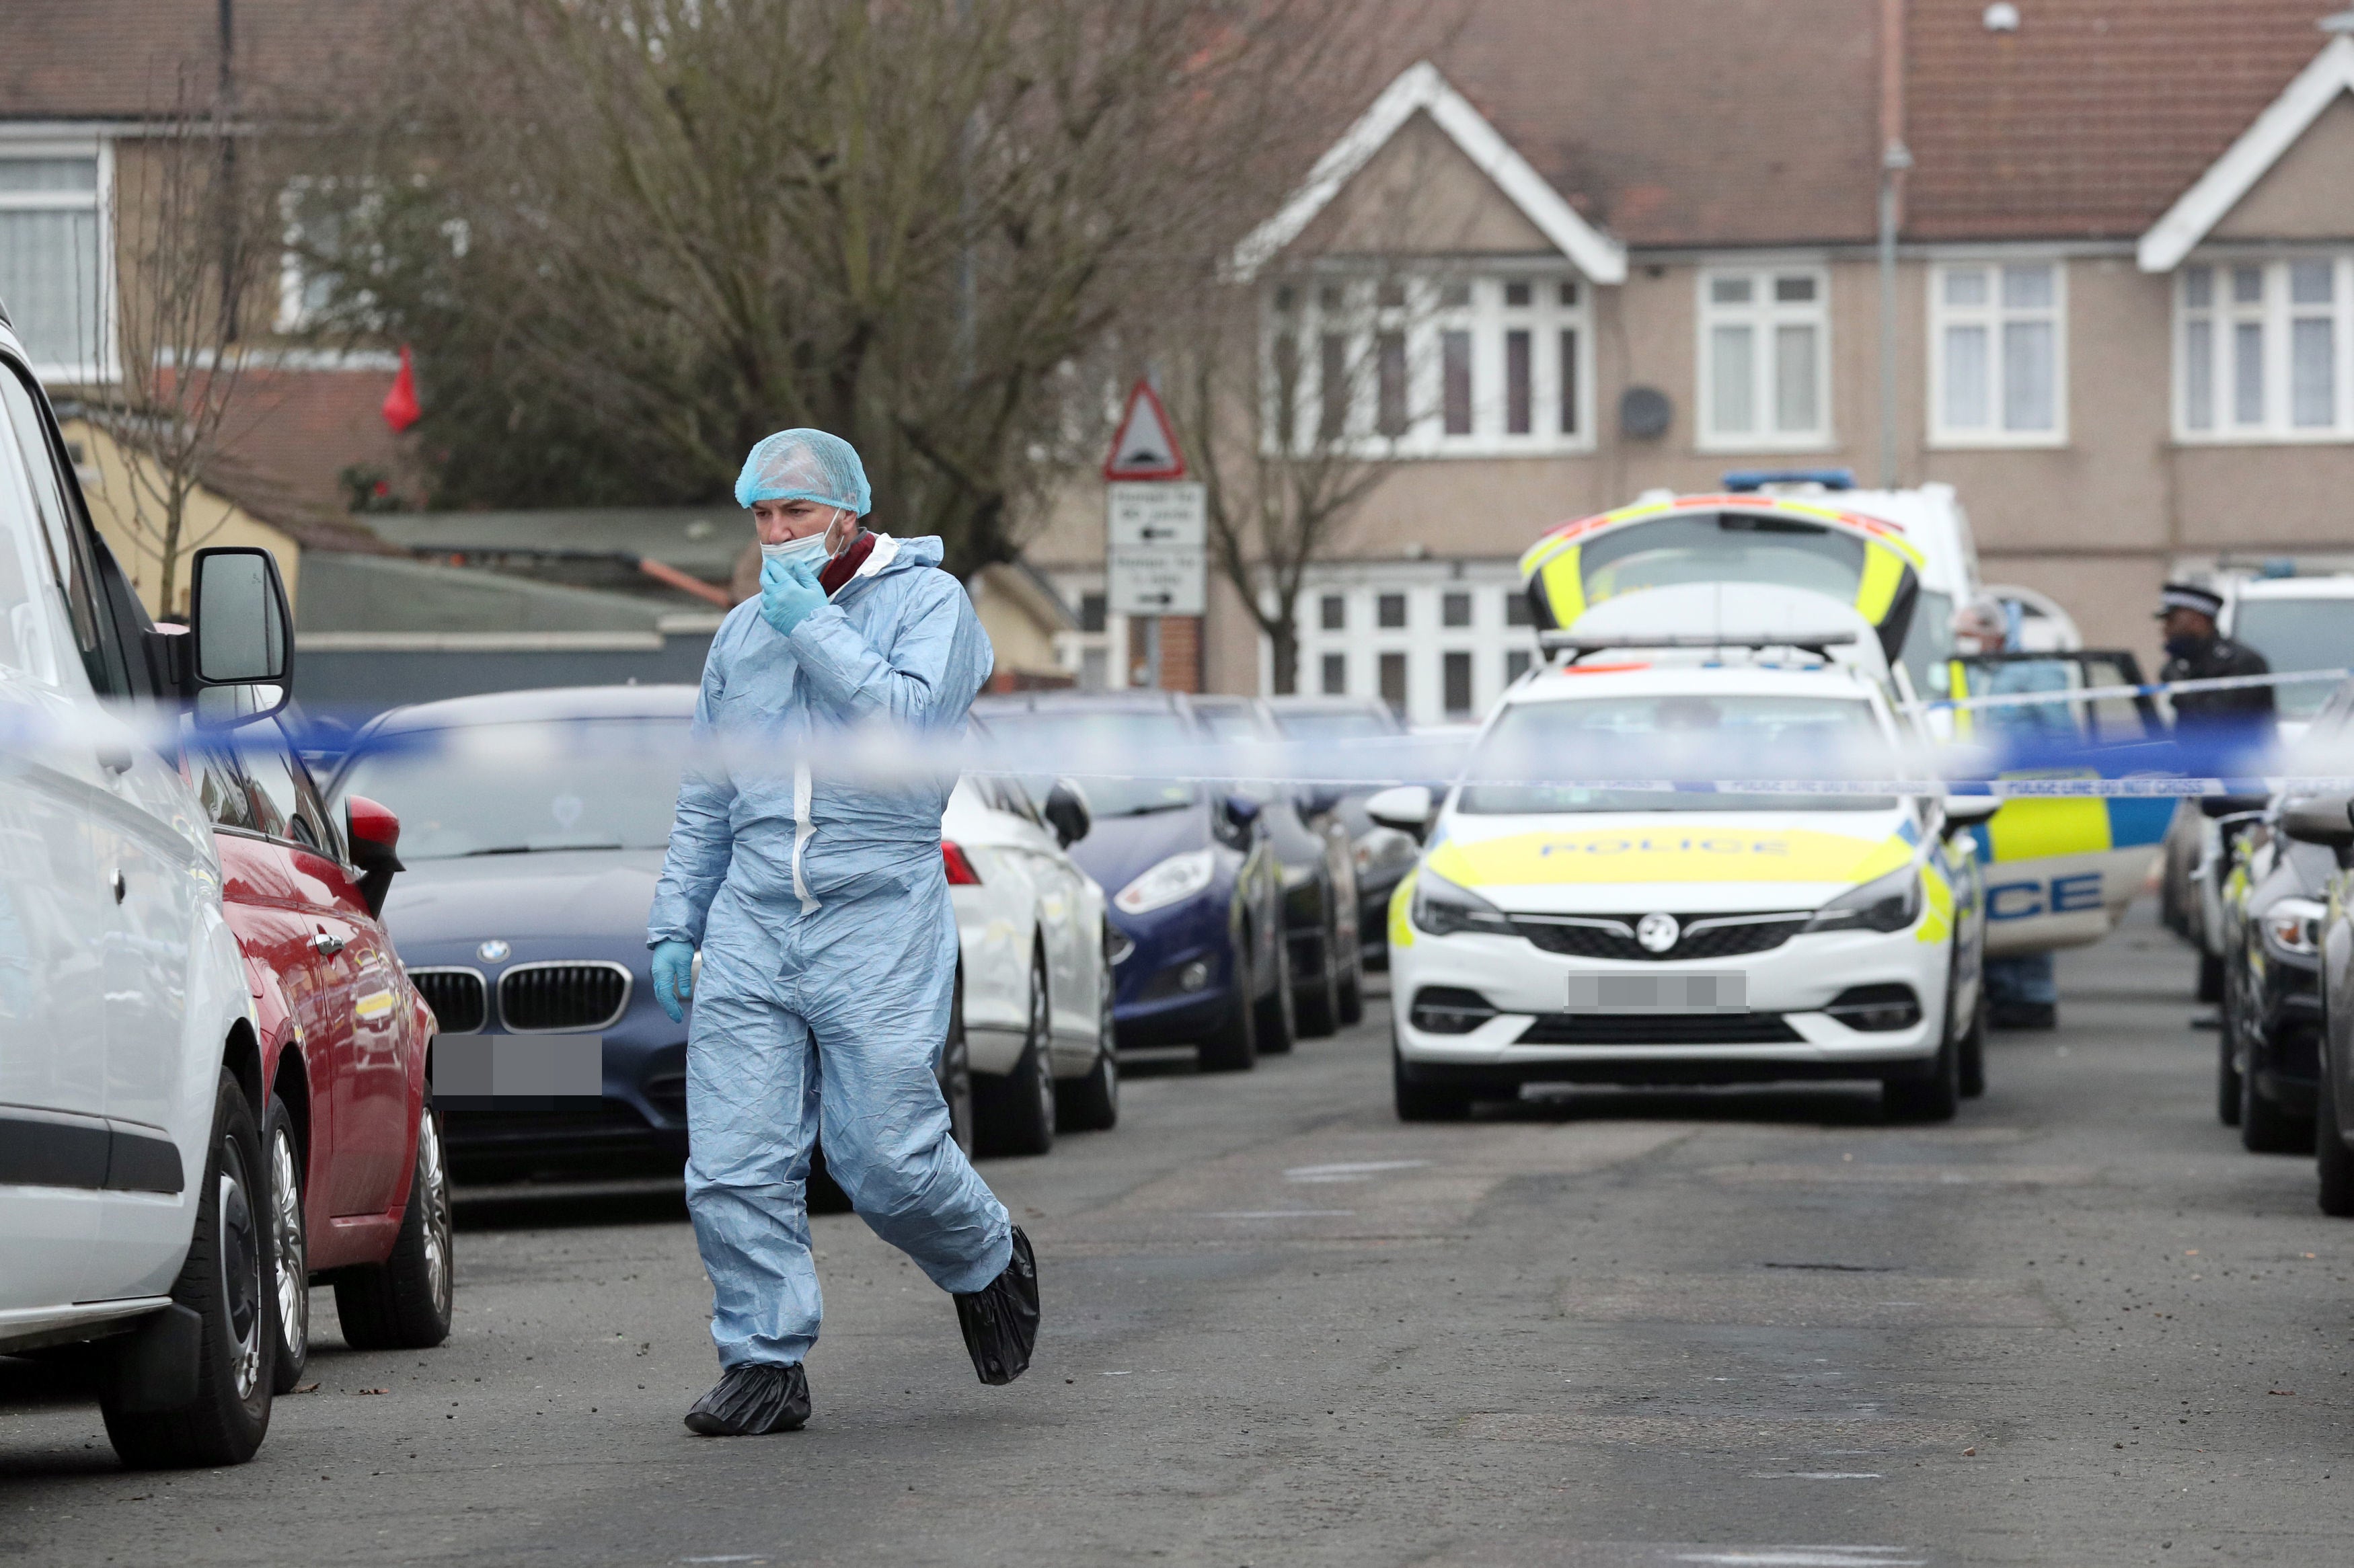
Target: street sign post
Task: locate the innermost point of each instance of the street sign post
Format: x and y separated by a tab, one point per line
1158	558
1156	539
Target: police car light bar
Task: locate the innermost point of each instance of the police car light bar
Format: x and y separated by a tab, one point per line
1819	643
1752	480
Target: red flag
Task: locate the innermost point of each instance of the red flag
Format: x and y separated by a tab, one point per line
401	408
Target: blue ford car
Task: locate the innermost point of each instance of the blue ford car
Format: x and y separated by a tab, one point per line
533	827
1196	890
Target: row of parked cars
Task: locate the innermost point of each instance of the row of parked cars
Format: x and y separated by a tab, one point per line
1115	914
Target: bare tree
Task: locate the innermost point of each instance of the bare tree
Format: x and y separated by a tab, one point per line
1301	391
198	245
681	224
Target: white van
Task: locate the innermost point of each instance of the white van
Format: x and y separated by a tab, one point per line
132	1193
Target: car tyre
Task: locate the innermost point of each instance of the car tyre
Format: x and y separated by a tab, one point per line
1353	988
954	1073
1279	1019
1016	1114
1092	1104
1316	1006
2227	1090
2264	1127
1934	1095
1971	1063
2210	977
225	1280
1232	1043
1419	1101
2333	1161
406	1302
290	1250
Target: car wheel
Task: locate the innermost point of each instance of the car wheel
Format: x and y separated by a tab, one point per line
2264	1127
1277	1021
1353	988
1232	1043
1970	1059
2210	977
1934	1095
2332	1160
2227	1065
1016	1114
290	1250
406	1302
1092	1104
225	1282
1418	1101
955	1071
1316	1005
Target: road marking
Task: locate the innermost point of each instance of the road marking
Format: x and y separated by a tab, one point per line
1807	1557
1815	1476
1356	1171
1284	1215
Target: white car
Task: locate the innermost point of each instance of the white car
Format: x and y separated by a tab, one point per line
1566	932
133	1192
1037	987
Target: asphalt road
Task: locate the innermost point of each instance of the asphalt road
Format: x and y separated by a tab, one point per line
2079	1326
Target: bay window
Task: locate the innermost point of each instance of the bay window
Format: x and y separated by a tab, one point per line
1998	353
2263	350
1492	363
1765	358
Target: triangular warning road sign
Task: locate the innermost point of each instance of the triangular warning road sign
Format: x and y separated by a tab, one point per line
1145	446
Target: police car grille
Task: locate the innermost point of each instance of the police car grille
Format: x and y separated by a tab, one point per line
1758	935
456	996
1660	1029
562	996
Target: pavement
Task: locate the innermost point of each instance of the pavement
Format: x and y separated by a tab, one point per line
2078	1326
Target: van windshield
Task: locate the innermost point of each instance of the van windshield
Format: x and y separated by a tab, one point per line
2296	634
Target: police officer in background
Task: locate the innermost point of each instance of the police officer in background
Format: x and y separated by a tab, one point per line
2235	716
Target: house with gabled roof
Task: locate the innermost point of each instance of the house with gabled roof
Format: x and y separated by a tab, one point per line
2122	301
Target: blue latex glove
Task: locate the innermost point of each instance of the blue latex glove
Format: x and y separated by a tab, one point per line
790	594
673	977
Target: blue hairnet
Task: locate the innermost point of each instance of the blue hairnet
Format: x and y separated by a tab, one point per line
805	465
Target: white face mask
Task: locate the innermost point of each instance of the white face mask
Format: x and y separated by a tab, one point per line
809	547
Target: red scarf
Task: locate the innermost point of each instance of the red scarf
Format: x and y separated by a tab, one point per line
844	566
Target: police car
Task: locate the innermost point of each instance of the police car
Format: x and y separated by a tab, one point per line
1561	926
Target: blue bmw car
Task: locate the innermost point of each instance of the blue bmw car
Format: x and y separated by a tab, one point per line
533	826
1196	889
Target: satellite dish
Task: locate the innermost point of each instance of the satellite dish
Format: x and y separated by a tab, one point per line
1644	413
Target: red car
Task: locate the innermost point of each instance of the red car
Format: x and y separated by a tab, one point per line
358	1192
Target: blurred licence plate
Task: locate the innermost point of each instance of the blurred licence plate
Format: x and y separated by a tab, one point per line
1659	993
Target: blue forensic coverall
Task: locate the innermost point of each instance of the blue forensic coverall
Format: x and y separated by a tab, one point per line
829	948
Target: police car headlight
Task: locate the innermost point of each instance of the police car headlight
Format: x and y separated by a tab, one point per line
1179	876
1444	909
2293	926
1888	903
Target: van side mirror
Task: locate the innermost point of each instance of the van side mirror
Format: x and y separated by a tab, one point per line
374	834
1405	807
2321	820
241	663
1067	812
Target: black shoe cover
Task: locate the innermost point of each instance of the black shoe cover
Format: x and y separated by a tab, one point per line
1001	1320
751	1400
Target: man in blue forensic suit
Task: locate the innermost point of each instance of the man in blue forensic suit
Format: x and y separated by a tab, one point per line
818	900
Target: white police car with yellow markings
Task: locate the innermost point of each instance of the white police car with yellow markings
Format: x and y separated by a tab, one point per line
1564	925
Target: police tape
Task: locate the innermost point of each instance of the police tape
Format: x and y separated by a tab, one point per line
2147	689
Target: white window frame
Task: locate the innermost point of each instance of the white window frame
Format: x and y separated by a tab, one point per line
1423	319
1425	641
1994	315
105	367
2275	313
1763	313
